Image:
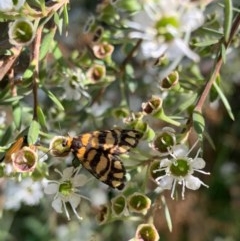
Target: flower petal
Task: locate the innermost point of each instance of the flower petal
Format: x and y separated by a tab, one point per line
57	205
67	173
192	182
74	200
198	163
79	180
166	182
51	188
180	150
165	162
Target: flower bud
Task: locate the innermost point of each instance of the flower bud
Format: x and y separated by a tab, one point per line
152	106
162	61
135	122
25	160
57	147
119	205
97	34
102	50
170	82
96	73
21	32
139	203
103	214
164	140
146	232
154	170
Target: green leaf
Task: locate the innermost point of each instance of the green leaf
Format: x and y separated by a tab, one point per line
55	100
7	135
29	72
224	100
17	115
46	44
167	213
59	22
228	15
10	100
189	100
213	31
206	43
4	94
223	53
65	14
33	132
41	117
198	122
57	52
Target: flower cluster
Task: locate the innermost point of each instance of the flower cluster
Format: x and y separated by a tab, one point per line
26	192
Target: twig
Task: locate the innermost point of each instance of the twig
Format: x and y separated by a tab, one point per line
218	66
35	63
129	56
7	63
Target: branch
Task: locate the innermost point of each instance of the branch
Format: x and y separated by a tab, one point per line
35	63
218	65
7	62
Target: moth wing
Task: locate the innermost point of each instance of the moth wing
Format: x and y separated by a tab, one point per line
16	146
106	167
127	139
114	141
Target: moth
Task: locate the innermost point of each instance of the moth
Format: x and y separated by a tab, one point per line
16	146
99	151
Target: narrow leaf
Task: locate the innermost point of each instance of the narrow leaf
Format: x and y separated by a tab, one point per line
17	115
228	15
46	44
7	135
189	100
10	100
223	53
65	14
41	117
206	43
224	100
28	73
55	100
167	213
33	132
198	122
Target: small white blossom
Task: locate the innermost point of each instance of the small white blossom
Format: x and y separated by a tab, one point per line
165	26
27	192
8	5
65	190
179	169
74	85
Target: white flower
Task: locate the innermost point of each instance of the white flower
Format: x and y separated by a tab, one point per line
74	85
27	191
65	190
8	5
165	26
179	169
